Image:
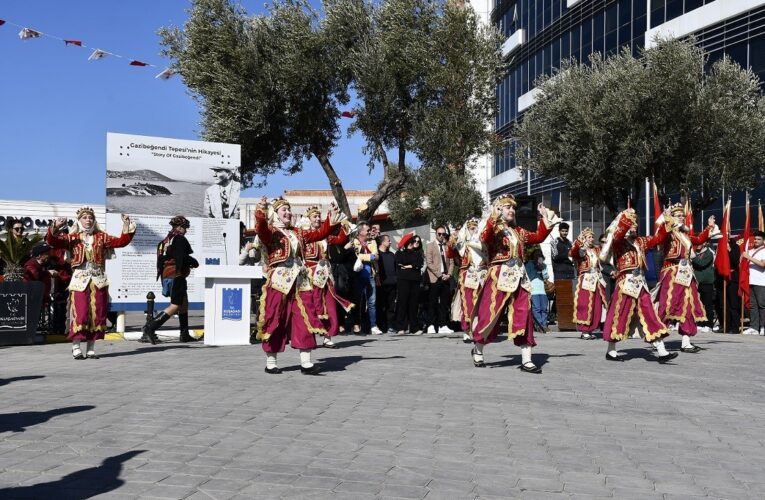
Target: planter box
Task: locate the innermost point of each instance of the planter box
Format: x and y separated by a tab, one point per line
20	305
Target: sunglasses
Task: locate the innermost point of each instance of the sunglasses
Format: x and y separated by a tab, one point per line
441	234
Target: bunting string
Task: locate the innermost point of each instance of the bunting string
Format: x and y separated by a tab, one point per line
26	33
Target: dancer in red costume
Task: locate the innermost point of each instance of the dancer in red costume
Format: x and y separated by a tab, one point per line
631	301
89	286
590	295
507	288
287	311
679	298
325	297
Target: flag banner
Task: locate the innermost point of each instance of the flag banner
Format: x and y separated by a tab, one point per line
27	33
97	54
73	42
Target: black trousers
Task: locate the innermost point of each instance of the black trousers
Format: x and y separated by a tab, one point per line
439	304
407	305
707	296
386	307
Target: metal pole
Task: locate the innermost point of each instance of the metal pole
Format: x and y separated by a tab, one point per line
647	207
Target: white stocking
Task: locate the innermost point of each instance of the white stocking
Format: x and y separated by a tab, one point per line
686	342
525	354
478	356
271	360
305	358
659	345
91	347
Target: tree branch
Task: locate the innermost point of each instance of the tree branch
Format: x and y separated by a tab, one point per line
338	191
388	188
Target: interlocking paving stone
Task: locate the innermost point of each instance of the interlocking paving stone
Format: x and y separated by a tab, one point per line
389	417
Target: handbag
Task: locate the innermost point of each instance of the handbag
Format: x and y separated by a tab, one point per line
358	265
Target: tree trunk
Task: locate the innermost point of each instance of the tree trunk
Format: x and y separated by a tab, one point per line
338	191
388	188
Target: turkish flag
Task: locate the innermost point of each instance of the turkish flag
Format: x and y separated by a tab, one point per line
138	63
73	42
743	265
656	206
2	22
347	114
722	259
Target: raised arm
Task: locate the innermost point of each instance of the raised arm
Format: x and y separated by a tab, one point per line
657	239
322	233
487	235
58	241
341	238
576	250
703	236
539	235
124	239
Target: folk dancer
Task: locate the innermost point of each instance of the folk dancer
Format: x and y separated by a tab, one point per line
325	297
507	287
89	286
631	301
590	295
679	298
287	312
174	264
472	271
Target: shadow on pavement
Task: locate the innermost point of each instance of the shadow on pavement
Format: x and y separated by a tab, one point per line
646	354
350	343
18	422
539	359
146	350
6	381
78	485
340	363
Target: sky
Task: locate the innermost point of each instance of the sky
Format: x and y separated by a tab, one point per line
56	106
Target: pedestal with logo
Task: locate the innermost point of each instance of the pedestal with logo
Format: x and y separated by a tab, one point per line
228	303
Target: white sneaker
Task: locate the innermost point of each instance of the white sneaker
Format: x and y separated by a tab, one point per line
445	329
431	329
750	331
716	328
635	336
762	332
375	331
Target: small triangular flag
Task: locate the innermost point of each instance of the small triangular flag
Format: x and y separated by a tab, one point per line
347	114
73	42
138	63
27	33
166	74
97	54
2	22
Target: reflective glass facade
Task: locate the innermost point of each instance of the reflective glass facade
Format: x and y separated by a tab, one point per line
555	32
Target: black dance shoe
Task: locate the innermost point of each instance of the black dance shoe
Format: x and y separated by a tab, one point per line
668	357
614	358
531	368
477	364
273	371
692	349
314	370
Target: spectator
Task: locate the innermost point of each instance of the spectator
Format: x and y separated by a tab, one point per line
374	231
409	262
366	253
36	269
422	307
703	267
386	298
756	258
537	272
439	270
341	259
563	268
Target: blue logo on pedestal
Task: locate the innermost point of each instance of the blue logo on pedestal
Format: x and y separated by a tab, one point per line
232	304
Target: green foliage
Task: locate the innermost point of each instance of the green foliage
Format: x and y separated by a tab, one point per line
423	73
439	195
13	251
605	127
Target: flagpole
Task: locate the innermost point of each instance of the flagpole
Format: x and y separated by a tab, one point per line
746	247
725	306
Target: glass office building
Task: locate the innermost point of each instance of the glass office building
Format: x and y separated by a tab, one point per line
541	33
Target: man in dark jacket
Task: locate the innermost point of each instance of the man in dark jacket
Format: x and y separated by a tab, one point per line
174	264
563	268
386	298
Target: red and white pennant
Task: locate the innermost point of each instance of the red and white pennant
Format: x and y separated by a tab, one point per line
96	53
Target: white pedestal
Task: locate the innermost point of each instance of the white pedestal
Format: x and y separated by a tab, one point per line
227	303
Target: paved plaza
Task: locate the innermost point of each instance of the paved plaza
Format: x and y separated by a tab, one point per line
390	417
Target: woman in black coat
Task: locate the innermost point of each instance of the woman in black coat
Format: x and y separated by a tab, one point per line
409	261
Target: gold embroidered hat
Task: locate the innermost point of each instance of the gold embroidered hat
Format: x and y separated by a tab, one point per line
279	202
472	222
85	211
314	209
676	209
505	199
